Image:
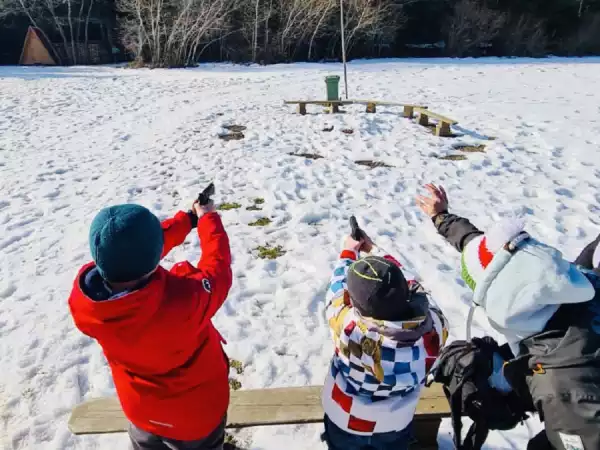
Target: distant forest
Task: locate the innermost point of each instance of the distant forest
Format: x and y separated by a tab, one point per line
176	33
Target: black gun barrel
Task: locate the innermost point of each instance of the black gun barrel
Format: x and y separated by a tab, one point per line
206	194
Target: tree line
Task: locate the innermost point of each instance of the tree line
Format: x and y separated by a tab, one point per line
176	33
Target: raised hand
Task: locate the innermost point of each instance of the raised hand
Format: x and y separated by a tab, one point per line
365	244
200	210
435	203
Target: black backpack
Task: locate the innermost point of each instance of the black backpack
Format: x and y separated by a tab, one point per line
463	368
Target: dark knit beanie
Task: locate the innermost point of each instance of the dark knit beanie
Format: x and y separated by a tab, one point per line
378	289
126	242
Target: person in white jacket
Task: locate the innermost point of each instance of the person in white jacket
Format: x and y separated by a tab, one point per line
548	310
386	335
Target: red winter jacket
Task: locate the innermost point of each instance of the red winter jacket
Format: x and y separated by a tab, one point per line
169	369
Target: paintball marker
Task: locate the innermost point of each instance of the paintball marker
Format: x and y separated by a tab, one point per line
205	196
357	233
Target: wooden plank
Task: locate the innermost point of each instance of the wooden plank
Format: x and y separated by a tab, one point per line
437	116
382	103
318	102
302	108
408	111
247	408
423	118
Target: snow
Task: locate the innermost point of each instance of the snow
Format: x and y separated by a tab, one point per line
73	140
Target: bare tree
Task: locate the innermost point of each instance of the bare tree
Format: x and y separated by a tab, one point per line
166	33
324	13
371	19
472	27
294	18
525	36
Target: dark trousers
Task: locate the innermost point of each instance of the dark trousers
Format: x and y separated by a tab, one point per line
142	440
338	439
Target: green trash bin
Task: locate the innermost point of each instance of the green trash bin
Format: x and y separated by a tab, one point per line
333	87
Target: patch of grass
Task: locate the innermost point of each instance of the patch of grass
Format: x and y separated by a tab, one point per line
228	206
470	148
262	222
253	208
453	157
233	136
268	252
237	366
259	201
234	384
371	164
307	155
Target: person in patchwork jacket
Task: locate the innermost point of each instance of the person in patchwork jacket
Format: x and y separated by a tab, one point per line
386	335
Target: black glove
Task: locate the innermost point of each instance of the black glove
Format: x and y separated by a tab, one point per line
193	218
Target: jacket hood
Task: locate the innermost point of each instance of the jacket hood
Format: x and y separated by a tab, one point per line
521	291
123	315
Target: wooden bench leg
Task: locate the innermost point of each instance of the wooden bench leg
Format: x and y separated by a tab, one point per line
335	108
443	129
423	119
409	112
425	432
371	108
302	108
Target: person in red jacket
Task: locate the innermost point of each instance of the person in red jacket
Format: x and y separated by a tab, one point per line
154	325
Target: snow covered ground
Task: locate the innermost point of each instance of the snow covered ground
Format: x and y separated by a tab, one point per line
74	140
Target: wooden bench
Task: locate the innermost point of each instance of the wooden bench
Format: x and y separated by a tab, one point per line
371	105
259	407
333	104
408	108
443	123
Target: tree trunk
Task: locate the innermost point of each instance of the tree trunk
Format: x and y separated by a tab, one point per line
79	16
86	31
70	19
312	38
58	26
267	27
255	34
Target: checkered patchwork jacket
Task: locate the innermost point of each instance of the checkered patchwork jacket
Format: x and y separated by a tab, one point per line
379	367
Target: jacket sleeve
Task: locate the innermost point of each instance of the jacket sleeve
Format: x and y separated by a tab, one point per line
586	258
337	285
214	266
337	297
175	231
457	230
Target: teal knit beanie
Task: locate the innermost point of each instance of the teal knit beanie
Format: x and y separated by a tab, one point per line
126	242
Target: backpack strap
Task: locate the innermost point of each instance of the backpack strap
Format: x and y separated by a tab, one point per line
455	400
476	436
470	320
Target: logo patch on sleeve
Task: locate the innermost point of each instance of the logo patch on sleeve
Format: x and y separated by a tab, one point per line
571	441
206	285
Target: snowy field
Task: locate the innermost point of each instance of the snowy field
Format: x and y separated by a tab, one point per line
75	140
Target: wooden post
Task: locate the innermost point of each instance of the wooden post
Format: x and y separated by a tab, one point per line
371	108
302	108
443	129
335	108
408	112
423	119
